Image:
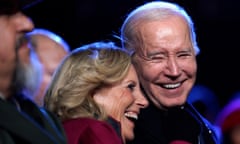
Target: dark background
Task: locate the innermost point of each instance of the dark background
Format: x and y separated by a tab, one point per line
216	22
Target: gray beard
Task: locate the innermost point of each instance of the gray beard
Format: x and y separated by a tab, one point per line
28	76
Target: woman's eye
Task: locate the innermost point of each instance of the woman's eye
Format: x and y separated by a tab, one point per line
131	86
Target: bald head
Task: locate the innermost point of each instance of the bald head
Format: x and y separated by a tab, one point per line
50	49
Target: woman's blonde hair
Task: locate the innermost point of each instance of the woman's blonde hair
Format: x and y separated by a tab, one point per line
82	72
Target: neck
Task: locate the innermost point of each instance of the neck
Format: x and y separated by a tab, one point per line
5	83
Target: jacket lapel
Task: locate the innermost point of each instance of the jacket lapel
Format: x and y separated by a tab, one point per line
19	123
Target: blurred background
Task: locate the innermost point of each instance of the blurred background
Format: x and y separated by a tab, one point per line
217	24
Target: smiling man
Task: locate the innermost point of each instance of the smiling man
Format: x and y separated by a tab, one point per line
162	40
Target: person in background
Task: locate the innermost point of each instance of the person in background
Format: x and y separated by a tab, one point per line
29	71
21	120
96	94
50	49
228	120
205	101
161	37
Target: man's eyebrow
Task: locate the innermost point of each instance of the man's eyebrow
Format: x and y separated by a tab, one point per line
154	53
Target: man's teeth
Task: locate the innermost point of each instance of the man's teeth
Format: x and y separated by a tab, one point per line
131	115
171	86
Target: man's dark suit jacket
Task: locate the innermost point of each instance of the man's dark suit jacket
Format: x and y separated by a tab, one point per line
29	125
184	123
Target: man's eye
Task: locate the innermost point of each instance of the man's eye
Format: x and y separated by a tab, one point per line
184	55
156	57
50	73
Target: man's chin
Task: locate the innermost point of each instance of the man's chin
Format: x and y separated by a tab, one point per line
170	104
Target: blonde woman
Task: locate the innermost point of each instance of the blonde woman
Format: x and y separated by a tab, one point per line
96	94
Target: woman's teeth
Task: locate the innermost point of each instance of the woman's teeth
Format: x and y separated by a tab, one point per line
131	115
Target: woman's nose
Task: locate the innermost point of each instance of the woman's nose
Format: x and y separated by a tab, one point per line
142	101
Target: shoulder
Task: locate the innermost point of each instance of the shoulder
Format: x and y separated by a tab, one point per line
86	123
87	130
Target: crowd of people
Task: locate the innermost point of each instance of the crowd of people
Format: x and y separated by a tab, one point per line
142	92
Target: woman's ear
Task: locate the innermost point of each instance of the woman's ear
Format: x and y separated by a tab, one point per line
98	96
